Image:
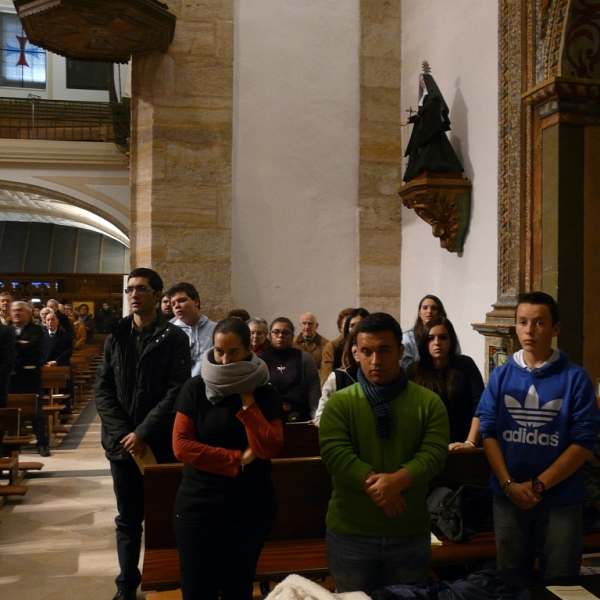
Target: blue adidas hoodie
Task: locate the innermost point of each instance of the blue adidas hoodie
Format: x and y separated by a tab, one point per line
535	416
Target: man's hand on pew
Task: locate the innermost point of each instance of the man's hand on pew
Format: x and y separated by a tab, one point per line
522	495
134	445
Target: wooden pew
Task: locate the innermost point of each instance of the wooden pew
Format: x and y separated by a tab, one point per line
297	542
28	405
472	466
10	420
300	440
295	545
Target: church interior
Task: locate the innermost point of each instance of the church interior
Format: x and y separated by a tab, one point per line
264	163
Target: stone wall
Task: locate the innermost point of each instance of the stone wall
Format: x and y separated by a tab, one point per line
181	153
379	220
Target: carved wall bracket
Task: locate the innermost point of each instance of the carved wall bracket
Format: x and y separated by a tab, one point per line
98	31
444	203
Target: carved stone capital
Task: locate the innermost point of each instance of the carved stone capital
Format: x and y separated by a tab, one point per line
444	203
98	31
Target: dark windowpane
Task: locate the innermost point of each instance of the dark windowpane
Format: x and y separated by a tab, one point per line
13	246
113	257
86	75
38	248
88	252
63	252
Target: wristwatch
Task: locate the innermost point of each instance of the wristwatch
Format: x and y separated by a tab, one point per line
538	486
505	487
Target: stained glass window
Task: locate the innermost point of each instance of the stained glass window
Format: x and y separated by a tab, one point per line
23	64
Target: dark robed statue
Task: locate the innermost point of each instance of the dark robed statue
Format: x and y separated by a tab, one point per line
429	149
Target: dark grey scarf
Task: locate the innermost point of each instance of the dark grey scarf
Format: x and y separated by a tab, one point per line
236	377
380	396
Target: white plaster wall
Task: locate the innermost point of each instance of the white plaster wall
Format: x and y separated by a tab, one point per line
295	158
460	41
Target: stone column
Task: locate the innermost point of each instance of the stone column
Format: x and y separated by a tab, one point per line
380	212
181	154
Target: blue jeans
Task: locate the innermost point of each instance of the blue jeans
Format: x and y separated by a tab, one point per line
367	563
555	535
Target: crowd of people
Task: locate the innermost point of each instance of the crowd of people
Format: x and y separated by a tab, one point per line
389	406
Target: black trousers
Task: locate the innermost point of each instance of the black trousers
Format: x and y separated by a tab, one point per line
218	550
128	485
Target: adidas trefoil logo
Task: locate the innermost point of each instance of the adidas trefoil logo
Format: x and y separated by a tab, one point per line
530	415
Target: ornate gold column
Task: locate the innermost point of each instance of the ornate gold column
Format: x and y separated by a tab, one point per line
549	113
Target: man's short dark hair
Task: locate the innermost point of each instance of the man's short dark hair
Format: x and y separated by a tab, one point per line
378	323
156	283
540	298
186	288
282	320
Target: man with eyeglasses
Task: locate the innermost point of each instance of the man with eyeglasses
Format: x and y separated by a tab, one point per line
293	372
185	301
146	361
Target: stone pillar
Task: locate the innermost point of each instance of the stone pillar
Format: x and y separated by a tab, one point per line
181	154
380	211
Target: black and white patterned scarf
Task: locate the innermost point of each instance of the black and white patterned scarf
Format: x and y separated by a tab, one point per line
380	396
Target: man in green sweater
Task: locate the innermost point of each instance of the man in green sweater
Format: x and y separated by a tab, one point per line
382	439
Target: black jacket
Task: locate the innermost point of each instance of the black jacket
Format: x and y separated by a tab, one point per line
29	346
59	347
139	396
7	360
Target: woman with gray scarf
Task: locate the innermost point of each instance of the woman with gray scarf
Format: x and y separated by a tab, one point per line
227	428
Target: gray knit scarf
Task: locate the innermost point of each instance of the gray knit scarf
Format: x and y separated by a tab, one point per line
380	396
233	378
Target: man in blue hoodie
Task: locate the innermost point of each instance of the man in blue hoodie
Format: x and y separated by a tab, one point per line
539	421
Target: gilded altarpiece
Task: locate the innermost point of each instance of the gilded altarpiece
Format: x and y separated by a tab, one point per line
549	142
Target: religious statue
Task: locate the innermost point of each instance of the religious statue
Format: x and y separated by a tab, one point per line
429	148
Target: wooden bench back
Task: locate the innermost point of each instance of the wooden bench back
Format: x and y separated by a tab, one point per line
26	402
302	486
464	466
56	369
161	483
53	378
300	440
10	419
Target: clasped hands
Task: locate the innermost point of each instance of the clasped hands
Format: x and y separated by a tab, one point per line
522	495
385	490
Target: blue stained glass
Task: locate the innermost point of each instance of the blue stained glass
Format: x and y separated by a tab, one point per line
23	64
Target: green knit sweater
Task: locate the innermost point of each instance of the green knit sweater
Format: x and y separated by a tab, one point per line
351	448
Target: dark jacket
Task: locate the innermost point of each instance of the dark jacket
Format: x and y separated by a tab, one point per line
106	321
29	345
139	396
65	322
59	347
7	360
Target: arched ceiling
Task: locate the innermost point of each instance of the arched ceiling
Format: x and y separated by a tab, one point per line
30	207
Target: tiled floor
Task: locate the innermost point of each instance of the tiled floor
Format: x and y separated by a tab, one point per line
58	541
